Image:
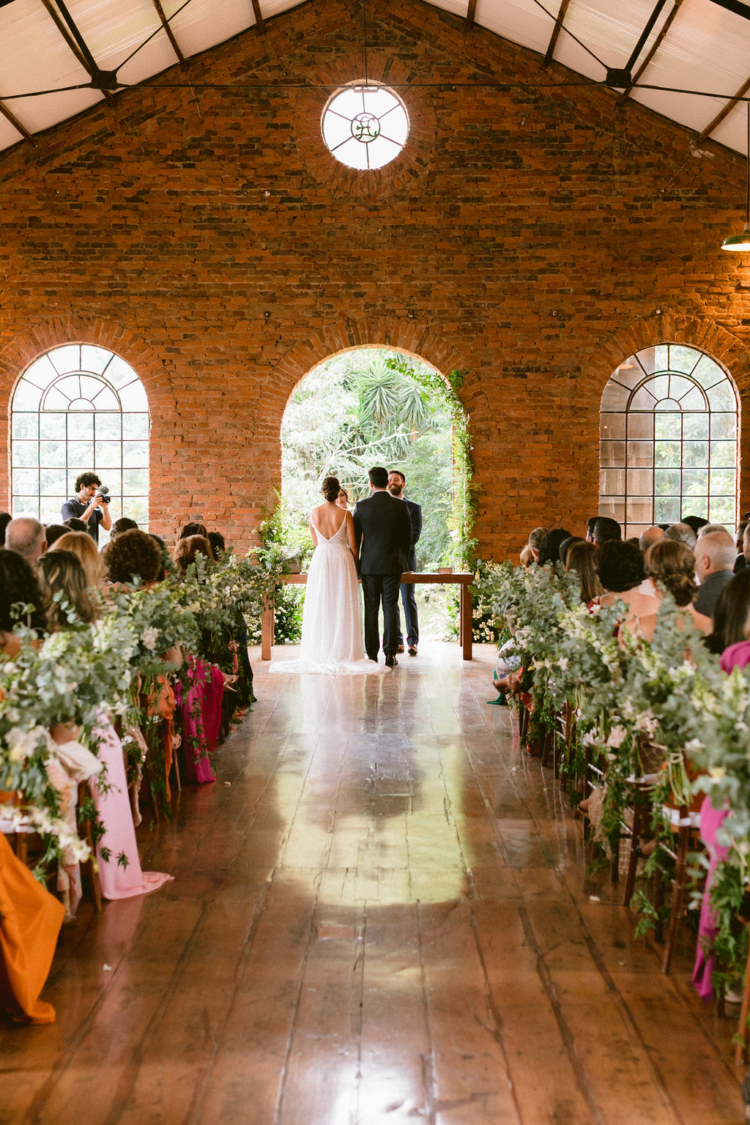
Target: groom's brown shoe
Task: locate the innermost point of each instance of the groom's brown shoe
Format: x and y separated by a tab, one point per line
412	650
400	648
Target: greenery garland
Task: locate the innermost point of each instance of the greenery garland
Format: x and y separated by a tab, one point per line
642	709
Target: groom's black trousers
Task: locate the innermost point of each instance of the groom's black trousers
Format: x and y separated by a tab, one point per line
377	588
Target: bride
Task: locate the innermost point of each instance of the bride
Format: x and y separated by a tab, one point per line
331	623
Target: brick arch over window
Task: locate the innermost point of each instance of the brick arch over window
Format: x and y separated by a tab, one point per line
674	327
43	336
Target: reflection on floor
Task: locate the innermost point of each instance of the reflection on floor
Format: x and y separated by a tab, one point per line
380	914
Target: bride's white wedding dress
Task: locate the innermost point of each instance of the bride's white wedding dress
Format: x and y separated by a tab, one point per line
331	624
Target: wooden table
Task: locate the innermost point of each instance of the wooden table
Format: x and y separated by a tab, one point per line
465	618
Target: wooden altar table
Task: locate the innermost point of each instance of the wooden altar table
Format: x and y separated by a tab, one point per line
466	606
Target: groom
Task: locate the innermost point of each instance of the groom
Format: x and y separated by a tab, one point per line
383	530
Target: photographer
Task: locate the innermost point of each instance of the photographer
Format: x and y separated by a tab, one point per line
89	505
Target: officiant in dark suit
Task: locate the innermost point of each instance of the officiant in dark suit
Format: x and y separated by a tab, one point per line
396	485
383	531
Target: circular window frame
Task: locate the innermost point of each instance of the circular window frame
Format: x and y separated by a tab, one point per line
363	86
411	164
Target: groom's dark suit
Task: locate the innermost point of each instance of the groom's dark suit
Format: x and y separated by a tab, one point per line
383	530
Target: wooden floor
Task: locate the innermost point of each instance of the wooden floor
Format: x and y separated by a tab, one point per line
380	914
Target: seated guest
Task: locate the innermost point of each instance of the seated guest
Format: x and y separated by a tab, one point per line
342	499
527	556
218	544
581	558
606	530
709	527
695	523
186	550
649	536
25	536
681	533
133	555
18	587
566	545
536	541
61	572
194	529
714	568
621	572
5	518
74	524
123	524
731	614
550	552
84	548
53	531
671	567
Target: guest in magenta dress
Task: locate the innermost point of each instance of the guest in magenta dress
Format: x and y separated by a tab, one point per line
200	711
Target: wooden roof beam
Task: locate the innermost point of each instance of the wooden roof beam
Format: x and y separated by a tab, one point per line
27	136
170	33
59	24
555	33
471	12
723	112
259	17
654	48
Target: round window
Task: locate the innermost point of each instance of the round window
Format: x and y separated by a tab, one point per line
365	126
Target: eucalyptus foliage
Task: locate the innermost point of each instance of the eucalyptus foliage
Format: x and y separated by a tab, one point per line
663	709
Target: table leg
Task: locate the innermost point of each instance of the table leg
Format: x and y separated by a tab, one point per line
267	625
466	609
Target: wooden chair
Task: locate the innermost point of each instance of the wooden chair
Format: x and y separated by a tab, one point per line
685	827
89	869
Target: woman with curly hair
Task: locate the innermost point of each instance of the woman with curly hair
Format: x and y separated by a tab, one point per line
620	569
133	555
186	550
671	567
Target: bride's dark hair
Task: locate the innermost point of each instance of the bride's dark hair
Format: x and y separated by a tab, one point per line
331	489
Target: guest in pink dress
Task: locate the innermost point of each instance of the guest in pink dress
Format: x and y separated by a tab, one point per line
119	879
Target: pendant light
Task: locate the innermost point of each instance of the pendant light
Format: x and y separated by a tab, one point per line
742	241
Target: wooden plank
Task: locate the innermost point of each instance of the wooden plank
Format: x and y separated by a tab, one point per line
723	112
9	116
471	13
259	17
654	48
170	34
549	53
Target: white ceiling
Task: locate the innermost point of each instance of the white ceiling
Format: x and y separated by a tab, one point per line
707	49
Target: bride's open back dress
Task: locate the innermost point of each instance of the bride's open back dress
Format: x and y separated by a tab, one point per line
331	624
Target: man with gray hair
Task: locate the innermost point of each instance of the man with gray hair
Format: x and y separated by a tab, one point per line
681	533
714	568
709	527
25	536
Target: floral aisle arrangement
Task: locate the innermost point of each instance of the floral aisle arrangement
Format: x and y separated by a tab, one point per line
663	711
75	676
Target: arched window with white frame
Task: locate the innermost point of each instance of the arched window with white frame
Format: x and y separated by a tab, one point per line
669	428
79	407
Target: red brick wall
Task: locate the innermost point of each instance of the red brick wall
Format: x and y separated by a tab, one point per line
527	236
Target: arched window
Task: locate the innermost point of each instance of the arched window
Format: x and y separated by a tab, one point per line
75	408
668	440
